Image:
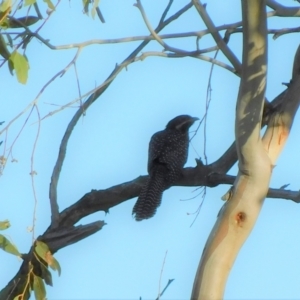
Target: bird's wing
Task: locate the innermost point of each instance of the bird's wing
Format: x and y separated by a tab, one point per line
156	146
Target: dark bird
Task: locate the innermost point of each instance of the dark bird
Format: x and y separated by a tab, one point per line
168	152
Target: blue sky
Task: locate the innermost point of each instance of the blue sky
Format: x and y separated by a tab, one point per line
110	144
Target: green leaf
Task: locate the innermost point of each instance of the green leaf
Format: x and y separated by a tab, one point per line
5	5
46	275
86	4
11	67
95	5
39	288
3	48
4	224
55	265
29	2
7	246
50	4
21	66
4	22
10	41
43	251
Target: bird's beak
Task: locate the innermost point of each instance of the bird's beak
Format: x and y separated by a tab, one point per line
195	119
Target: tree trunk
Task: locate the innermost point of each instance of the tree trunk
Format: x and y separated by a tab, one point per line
256	157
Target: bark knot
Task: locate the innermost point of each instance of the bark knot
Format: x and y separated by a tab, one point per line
240	218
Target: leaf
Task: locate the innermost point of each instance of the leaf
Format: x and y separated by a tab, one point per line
4	224
5	53
86	4
10	41
93	11
43	251
50	4
46	275
39	288
5	8
3	48
21	66
11	67
5	5
55	265
7	246
29	2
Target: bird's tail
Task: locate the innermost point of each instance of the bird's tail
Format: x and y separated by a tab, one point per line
150	197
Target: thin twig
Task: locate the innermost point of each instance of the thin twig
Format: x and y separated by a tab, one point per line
53	203
153	33
37	10
216	35
29	32
208	99
197	212
288	11
3	158
78	84
60	73
98	41
33	173
197	34
14	141
161	272
175	55
163	16
125	65
276	32
94	90
207	103
169	282
279	32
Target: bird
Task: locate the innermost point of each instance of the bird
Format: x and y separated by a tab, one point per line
167	154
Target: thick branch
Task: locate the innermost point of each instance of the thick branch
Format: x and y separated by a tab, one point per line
65	236
280	124
103	200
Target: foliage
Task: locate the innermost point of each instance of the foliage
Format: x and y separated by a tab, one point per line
37	272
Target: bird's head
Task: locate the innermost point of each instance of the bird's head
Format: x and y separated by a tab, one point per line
181	123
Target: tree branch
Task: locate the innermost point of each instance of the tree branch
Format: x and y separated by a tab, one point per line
154	34
283	11
216	35
280	124
85	106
